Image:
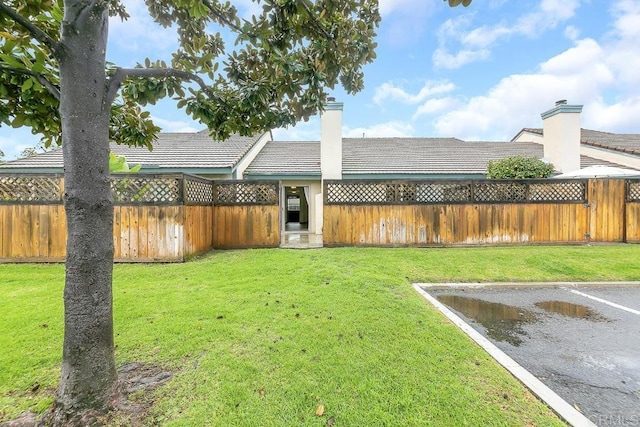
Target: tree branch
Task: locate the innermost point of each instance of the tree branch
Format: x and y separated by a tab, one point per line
318	26
36	32
222	18
53	89
121	74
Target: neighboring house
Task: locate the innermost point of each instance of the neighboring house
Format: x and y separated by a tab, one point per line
192	153
605	147
301	167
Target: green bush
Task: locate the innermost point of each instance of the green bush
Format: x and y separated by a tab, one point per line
519	167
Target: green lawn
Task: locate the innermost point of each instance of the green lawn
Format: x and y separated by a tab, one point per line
262	337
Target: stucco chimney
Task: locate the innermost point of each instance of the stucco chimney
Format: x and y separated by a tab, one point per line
561	130
331	140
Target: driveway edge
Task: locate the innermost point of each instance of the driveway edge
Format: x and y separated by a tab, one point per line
555	402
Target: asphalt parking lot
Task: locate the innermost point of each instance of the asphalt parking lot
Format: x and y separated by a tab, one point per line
581	341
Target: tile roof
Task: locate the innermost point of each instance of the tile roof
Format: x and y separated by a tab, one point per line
287	158
171	150
427	155
380	156
623	142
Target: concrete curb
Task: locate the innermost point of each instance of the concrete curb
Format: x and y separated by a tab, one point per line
526	284
555	402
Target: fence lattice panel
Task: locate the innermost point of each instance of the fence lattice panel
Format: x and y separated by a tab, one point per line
453	192
146	189
198	191
230	193
633	190
30	189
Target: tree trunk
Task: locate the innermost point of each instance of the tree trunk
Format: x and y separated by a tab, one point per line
88	367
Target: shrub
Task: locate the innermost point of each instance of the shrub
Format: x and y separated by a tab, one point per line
519	167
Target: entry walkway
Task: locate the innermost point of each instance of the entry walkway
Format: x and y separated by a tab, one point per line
301	240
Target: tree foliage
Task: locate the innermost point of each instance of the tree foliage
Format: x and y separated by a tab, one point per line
276	74
54	78
519	167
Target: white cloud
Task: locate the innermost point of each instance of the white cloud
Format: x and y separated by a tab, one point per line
436	105
390	91
475	44
302	131
175	125
18	140
392	128
572	33
404	21
140	34
443	59
599	75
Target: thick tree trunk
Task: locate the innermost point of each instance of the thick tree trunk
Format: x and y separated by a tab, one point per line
88	367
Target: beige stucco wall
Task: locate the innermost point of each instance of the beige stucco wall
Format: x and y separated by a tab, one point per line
244	163
629	161
331	141
562	141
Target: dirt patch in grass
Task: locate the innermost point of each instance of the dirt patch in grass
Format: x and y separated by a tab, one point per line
130	404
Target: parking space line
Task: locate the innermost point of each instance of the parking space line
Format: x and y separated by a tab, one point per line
551	398
604	301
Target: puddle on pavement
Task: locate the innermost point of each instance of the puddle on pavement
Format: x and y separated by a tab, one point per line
502	322
569	309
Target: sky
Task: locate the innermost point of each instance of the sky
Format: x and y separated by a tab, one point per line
480	73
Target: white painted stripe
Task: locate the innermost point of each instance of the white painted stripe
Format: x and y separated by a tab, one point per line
559	405
604	301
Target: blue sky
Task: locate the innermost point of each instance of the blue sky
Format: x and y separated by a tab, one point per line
477	73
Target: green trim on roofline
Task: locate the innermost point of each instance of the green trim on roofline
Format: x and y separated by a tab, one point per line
562	108
283	177
192	171
413	176
33	171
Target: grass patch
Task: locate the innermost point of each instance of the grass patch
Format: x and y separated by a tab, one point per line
263	337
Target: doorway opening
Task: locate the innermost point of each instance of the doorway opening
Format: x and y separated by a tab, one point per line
296	209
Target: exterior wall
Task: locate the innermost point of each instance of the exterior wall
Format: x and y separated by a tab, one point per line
630	161
529	137
562	132
244	163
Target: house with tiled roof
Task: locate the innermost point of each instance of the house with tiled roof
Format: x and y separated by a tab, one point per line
191	153
301	167
604	147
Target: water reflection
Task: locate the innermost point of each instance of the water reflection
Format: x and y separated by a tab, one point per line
502	322
570	310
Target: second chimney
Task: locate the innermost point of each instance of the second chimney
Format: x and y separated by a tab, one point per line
561	136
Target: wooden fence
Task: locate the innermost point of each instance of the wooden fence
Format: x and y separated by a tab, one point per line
172	217
156	218
246	214
417	213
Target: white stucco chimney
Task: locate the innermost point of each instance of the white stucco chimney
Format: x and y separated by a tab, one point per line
561	136
331	140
